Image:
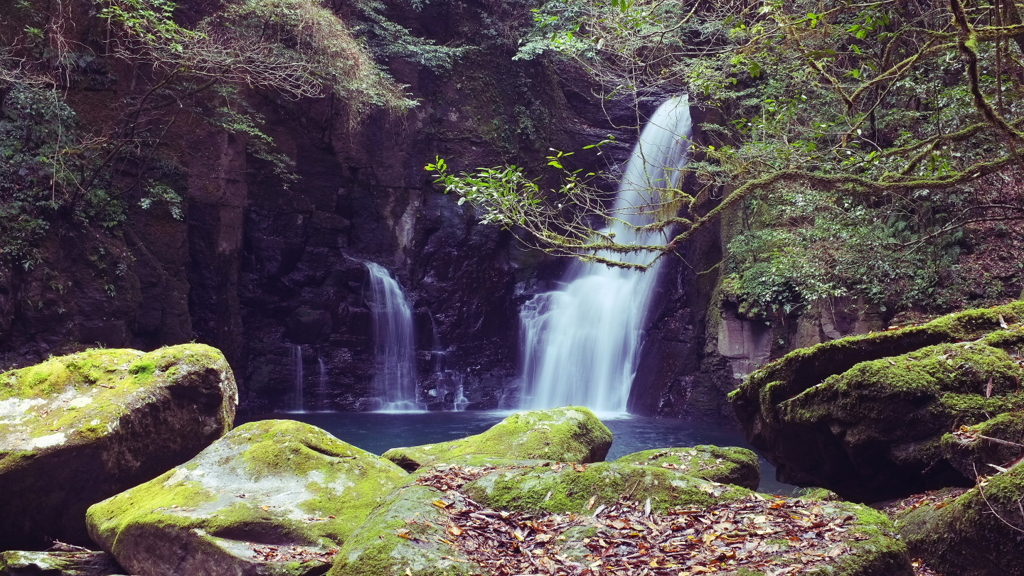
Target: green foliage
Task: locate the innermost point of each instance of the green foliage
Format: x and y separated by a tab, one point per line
861	138
387	39
59	173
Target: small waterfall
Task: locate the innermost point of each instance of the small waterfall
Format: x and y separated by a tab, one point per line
321	393
581	343
446	384
298	400
394	384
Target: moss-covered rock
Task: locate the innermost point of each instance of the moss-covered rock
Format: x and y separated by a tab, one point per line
80	428
864	416
729	465
21	563
570	434
580	488
272	483
979	533
987	447
404	536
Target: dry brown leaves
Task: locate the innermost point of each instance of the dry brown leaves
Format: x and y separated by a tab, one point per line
778	536
292	554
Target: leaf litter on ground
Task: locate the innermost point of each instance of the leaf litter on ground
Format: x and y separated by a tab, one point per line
775	535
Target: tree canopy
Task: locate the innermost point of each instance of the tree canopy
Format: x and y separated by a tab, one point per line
859	137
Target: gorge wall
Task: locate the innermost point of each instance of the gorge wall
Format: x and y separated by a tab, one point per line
255	268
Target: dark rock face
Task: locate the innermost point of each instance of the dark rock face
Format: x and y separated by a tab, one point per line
257	270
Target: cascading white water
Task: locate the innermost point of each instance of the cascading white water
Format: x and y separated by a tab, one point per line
581	343
321	392
298	401
394	383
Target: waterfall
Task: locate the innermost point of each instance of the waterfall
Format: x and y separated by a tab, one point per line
394	383
297	401
322	391
581	343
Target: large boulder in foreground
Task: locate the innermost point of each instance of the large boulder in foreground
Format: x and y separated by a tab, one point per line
728	465
80	428
274	497
864	416
570	434
978	533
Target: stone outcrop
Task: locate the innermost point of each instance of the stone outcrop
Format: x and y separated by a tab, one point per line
731	465
977	533
77	429
865	416
270	497
570	434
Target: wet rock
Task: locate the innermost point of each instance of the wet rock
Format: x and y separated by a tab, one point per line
271	497
864	416
978	533
86	563
570	434
80	428
731	465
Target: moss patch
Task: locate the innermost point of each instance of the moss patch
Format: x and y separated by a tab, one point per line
724	465
571	434
976	534
582	488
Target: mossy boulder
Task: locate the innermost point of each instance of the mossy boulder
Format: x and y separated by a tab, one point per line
979	533
80	428
405	536
988	447
580	488
570	434
272	483
728	465
21	563
864	416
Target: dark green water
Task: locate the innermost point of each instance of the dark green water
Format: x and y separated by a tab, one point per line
377	432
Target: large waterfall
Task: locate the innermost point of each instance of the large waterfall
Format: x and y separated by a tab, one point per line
581	343
394	383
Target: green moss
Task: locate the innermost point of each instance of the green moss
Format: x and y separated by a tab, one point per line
724	465
404	535
149	502
973	534
582	488
803	368
570	434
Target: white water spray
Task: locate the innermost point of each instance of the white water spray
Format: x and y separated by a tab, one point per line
322	390
394	384
298	400
581	343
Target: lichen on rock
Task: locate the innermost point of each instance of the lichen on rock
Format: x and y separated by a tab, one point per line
77	429
570	434
275	483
